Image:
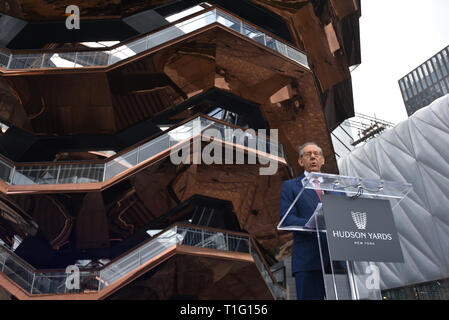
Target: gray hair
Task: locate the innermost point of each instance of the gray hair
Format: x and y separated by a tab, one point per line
301	148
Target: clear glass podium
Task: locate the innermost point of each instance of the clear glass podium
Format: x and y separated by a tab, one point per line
350	279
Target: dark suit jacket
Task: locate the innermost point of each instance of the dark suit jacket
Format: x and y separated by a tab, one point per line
305	255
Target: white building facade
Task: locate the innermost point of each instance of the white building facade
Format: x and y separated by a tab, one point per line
415	151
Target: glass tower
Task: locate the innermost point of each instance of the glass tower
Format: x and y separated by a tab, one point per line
426	83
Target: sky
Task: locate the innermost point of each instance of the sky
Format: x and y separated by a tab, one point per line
396	37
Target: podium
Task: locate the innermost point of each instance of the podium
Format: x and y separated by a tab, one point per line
355	230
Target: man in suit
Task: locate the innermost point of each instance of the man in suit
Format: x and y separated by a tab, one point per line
306	262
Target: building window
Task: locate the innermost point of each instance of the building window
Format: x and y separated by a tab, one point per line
404	92
431	72
446	58
442	64
426	75
443	85
437	68
417	82
412	84
422	78
407	85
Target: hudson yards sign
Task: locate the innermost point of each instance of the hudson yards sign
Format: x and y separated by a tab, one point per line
361	229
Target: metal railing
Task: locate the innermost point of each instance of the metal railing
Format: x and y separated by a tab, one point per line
275	289
59	282
88	172
120	52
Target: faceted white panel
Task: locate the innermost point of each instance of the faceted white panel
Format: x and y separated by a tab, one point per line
415	151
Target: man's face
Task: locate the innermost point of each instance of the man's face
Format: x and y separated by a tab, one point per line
312	160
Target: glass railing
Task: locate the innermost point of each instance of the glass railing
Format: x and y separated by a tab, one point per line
84	172
59	282
101	58
35	282
275	289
